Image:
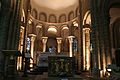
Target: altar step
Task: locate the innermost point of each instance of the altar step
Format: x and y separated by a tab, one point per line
44	76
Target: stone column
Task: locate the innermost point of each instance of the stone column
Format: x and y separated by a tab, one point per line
86	48
19	61
44	41
70	38
100	36
59	41
32	37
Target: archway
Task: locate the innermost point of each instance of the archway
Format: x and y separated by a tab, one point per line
115	30
86	41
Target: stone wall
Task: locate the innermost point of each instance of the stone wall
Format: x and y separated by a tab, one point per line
9	29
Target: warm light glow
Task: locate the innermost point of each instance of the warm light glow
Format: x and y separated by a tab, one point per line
87	18
23	16
108	74
108	60
86	29
75	23
39	26
65	28
31	63
86	48
55	4
44	41
19	63
30	21
101	73
104	71
70	38
52	29
19	60
109	70
32	38
104	63
59	41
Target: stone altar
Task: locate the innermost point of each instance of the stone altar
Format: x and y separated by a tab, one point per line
61	66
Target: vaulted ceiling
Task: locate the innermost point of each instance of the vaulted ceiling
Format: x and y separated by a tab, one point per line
55	4
55	11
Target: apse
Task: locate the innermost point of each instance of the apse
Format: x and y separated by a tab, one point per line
55	4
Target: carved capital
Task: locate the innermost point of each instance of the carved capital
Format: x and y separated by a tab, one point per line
70	38
32	37
44	39
59	40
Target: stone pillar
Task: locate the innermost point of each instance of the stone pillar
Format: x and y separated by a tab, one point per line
19	61
100	36
70	38
59	41
32	38
44	41
86	48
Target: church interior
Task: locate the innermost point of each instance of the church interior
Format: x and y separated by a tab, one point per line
59	40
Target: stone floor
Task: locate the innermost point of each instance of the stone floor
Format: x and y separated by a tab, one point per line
44	76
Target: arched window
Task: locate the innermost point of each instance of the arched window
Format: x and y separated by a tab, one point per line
62	18
75	47
28	44
52	18
43	17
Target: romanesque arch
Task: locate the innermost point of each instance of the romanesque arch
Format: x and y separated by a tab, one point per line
34	13
52	18
62	18
71	16
42	17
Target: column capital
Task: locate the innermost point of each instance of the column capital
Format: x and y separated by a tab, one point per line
59	40
32	36
70	38
39	26
87	30
44	39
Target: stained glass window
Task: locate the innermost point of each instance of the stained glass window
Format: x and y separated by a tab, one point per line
28	44
75	45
